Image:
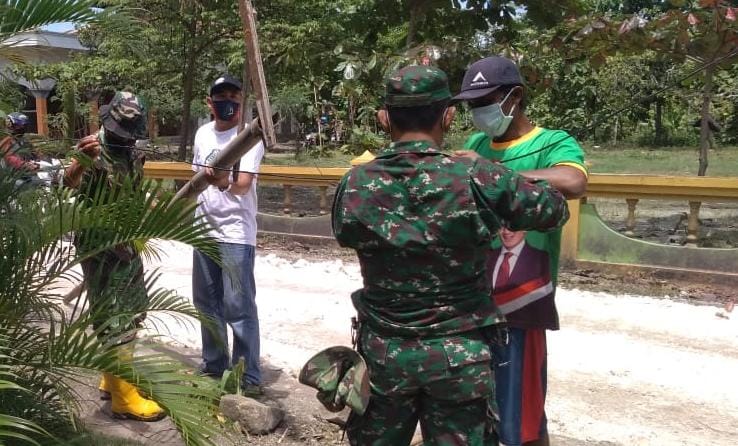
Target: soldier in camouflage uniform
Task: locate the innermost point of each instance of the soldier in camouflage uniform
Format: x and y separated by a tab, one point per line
117	272
421	222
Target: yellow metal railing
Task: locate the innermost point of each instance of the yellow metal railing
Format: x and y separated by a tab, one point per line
287	176
663	187
600	185
631	188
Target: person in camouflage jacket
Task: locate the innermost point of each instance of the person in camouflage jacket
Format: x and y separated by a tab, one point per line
421	221
115	277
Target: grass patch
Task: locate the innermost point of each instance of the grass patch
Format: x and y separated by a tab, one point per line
662	161
288	159
681	161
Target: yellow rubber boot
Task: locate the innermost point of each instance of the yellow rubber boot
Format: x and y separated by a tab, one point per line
129	404
104	389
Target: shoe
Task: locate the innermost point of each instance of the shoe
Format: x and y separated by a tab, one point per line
252	390
204	371
104	389
127	403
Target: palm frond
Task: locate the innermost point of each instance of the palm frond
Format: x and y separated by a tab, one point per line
20	430
17	16
45	350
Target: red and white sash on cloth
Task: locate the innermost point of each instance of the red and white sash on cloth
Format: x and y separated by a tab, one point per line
523	294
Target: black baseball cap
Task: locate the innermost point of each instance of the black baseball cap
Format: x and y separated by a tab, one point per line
225	80
487	75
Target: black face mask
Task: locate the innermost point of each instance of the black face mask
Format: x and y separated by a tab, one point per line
118	145
225	109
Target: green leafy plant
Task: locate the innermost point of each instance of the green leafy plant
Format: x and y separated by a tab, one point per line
361	140
230	382
45	351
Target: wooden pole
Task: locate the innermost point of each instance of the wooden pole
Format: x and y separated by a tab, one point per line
42	124
256	71
246	105
242	143
92	125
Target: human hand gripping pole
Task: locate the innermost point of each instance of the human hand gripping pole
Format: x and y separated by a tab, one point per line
242	143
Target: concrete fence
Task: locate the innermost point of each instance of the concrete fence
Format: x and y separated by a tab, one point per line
586	238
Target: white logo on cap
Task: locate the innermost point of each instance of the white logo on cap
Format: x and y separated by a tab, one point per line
220	80
479	77
479	81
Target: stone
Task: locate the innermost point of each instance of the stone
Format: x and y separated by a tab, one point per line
253	416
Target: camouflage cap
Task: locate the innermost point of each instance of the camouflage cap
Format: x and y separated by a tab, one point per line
416	86
341	377
124	116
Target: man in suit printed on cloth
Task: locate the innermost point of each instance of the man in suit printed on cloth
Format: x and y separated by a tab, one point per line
522	289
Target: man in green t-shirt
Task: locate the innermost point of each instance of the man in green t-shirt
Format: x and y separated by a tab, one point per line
523	277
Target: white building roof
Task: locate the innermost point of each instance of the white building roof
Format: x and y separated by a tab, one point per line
45	39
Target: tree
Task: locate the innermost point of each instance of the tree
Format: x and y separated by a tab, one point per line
703	33
20	16
166	50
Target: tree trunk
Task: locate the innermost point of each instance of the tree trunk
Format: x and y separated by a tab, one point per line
615	133
416	12
351	111
705	124
153	124
658	128
319	111
594	124
188	75
70	110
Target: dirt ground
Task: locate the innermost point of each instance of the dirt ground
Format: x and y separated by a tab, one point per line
666	221
637	362
641	283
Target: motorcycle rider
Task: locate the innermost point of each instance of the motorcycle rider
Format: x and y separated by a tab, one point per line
17	152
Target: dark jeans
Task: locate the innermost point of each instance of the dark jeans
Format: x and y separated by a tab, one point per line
228	295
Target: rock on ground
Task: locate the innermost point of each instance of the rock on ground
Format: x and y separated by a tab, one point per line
252	415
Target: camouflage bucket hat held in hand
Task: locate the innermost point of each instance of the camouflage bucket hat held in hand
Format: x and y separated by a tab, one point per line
341	377
125	116
416	86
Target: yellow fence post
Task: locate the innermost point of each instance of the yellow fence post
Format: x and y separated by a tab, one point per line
630	222
693	223
287	198
323	199
570	233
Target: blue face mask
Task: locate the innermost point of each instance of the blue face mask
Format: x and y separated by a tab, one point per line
225	109
491	119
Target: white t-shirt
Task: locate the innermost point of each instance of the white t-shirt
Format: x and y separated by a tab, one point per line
233	217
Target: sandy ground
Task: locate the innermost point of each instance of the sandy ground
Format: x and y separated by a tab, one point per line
624	369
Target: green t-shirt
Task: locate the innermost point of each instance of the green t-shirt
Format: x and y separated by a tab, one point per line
523	299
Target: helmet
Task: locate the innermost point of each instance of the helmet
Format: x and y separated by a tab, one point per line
341	377
17	122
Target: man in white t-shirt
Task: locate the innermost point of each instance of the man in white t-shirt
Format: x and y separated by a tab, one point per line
227	293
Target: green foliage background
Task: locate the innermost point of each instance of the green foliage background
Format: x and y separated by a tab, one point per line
582	59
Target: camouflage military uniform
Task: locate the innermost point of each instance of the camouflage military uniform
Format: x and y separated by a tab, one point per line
421	221
111	272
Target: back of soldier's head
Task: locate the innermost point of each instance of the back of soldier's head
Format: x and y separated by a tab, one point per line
416	98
